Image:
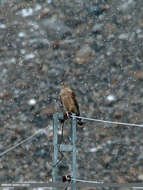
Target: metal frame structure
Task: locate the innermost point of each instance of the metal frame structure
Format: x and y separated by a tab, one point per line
63	147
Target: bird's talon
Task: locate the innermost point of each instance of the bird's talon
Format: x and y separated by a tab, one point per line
67	114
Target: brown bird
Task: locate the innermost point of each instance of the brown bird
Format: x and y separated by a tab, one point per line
69	101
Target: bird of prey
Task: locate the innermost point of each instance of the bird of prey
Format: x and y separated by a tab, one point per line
69	101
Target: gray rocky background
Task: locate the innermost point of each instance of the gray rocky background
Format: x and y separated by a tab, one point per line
96	46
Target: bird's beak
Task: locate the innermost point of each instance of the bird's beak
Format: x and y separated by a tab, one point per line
62	84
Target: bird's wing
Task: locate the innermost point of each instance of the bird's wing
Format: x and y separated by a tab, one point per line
60	98
69	101
75	102
64	99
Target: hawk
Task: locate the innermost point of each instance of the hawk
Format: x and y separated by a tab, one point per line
69	101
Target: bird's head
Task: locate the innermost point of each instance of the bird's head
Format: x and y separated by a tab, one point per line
64	85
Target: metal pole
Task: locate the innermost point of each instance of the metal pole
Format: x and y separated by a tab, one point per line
55	141
64	147
74	123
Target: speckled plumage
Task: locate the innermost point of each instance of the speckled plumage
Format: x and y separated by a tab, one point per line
68	100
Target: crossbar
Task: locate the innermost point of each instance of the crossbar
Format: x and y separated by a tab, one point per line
66	148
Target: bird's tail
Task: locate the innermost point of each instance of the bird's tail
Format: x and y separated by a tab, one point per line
79	121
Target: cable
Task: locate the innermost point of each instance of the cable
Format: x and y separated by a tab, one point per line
85	118
80	184
103	184
67	185
69	179
21	142
87	181
111	122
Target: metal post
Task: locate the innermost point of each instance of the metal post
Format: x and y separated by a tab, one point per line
73	165
55	141
62	147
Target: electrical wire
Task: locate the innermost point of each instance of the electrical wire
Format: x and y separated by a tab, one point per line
67	186
62	139
70	184
84	118
87	181
21	142
110	122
